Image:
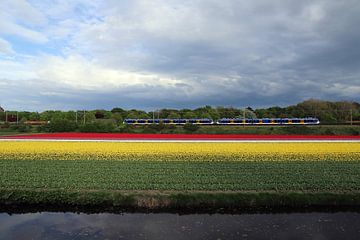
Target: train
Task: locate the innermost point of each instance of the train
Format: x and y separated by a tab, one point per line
226	121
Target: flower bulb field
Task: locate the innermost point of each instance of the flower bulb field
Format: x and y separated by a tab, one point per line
158	173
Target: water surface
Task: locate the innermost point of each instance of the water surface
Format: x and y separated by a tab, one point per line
52	225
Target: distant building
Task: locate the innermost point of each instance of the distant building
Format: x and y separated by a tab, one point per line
1	109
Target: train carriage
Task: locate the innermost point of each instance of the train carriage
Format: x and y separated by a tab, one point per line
180	121
226	121
268	121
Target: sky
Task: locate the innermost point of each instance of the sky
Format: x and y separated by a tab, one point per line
100	54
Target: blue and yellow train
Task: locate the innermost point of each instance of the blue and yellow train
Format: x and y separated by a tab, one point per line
181	121
226	121
268	121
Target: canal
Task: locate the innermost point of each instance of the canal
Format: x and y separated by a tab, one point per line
69	225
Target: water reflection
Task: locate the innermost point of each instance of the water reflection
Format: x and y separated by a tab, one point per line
48	225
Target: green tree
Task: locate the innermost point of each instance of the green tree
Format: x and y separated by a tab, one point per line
144	115
174	115
133	115
117	117
189	115
34	116
62	125
205	115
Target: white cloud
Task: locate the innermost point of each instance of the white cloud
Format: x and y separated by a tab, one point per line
314	12
16	70
343	89
5	48
11	28
19	18
76	72
22	11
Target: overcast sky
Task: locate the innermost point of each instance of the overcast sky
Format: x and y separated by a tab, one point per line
146	54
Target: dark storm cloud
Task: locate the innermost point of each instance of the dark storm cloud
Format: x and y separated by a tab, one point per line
232	53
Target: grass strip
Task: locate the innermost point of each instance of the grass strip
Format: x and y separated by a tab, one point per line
103	200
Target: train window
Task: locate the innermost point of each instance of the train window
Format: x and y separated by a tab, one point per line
256	121
310	121
295	120
266	121
276	120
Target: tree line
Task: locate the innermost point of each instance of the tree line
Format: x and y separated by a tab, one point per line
328	112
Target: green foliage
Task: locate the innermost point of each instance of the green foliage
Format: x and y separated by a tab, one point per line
34	116
150	129
21	128
61	125
327	112
117	117
98	127
314	176
329	132
118	110
157	127
133	115
354	131
89	117
228	112
205	115
174	115
189	184
191	127
165	113
43	128
298	130
189	115
5	125
124	128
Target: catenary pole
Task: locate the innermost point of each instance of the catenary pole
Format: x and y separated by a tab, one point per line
244	117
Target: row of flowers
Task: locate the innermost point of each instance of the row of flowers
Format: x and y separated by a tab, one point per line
75	135
180	151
